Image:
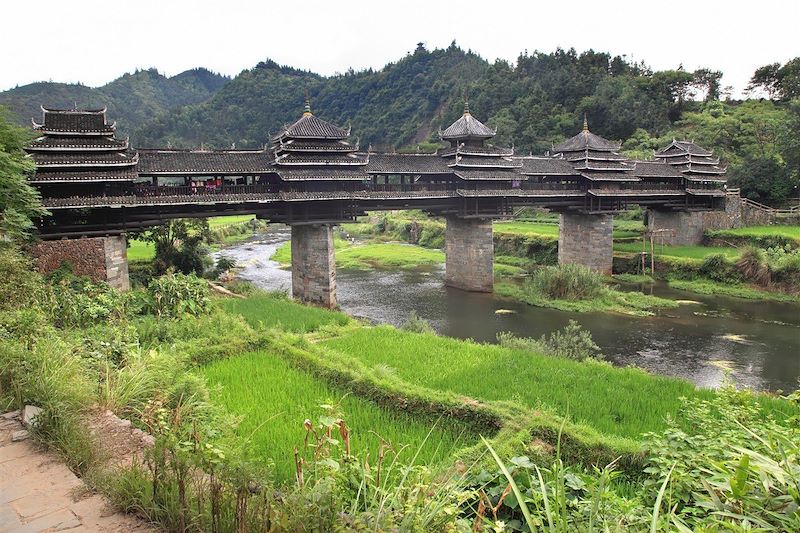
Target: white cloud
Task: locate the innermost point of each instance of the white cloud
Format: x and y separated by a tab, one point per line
95	41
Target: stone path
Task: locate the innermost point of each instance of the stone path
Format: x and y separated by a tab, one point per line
39	493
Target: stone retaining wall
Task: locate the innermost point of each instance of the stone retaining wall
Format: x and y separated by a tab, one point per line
313	265
99	258
586	240
469	254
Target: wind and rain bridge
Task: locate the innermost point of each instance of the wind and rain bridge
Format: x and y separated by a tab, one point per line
311	177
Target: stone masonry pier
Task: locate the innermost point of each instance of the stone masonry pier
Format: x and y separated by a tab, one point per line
99	258
469	254
586	240
313	264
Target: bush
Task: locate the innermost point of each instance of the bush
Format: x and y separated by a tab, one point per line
20	285
571	342
567	282
416	324
718	268
173	295
753	266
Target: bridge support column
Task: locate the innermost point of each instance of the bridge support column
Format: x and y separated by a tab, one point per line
586	240
99	258
689	227
469	254
313	264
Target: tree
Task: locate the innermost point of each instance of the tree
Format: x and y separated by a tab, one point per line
709	81
779	82
178	245
19	202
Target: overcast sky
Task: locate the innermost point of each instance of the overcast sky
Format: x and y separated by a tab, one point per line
94	41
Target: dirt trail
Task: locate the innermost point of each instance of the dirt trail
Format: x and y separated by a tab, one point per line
39	493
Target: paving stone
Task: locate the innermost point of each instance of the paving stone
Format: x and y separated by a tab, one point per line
10	415
29	414
22	434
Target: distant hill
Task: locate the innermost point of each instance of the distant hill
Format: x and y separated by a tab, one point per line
534	102
132	99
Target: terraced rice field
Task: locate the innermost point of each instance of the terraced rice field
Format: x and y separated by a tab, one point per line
274	399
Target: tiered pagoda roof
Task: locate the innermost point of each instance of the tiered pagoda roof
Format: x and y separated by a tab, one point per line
312	148
694	162
172	162
469	158
80	146
595	158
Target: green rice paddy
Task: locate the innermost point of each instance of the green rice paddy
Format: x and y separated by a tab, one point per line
690	252
272	310
624	402
274	399
381	255
792	232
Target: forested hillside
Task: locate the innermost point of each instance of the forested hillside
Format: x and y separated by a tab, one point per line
537	100
132	99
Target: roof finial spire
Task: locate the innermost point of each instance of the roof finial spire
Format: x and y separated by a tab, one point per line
585	124
466	103
307	108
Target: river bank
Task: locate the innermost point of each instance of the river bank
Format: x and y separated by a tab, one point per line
754	341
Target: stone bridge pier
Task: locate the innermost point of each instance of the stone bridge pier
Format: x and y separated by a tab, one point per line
99	258
586	240
313	264
469	254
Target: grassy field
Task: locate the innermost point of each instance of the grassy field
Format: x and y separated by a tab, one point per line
274	399
622	228
274	311
691	252
140	251
364	256
623	402
738	290
145	251
792	232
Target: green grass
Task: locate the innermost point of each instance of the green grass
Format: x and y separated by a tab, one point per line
690	252
792	232
730	289
277	311
623	229
382	255
216	222
623	402
141	251
274	399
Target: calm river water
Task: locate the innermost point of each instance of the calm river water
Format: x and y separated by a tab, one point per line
758	341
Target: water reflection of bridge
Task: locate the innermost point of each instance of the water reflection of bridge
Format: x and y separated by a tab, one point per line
311	177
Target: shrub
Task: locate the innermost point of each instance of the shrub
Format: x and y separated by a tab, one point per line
416	324
718	268
174	294
572	282
20	285
571	342
753	266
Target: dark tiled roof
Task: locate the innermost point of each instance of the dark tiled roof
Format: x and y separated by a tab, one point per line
99	143
473	161
311	174
690	168
546	166
311	127
300	145
307	158
587	139
467	127
117	174
594	175
407	164
85	159
654	169
182	162
488	150
591	164
636	192
77	122
504	175
594	155
682	147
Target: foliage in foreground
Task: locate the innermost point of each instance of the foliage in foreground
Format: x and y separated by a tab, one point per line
571	342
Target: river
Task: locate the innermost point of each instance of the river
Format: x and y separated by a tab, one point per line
758	342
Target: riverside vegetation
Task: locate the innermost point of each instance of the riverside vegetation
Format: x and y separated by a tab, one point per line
300	418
